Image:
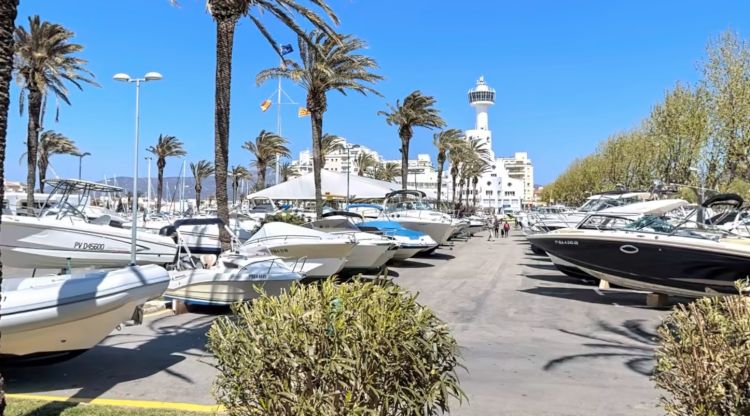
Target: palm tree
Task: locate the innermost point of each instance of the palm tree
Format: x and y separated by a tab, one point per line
166	146
201	170
226	13
457	154
266	148
8	11
365	161
328	63
387	172
44	61
238	173
443	141
329	144
52	143
286	171
417	110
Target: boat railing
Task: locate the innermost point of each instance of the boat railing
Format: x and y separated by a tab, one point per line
286	237
302	266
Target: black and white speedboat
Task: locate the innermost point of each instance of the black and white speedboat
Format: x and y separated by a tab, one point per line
676	256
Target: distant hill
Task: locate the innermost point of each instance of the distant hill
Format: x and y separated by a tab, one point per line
171	186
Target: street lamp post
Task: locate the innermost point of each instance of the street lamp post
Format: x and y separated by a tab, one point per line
348	171
150	76
80	159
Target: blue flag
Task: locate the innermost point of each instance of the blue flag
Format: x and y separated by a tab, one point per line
286	49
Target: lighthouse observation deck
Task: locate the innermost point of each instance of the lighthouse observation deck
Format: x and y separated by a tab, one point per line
481	93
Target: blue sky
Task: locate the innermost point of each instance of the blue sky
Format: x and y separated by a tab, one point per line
567	74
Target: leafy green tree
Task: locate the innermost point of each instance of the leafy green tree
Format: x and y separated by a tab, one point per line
52	143
45	62
327	64
266	148
443	141
388	171
201	170
238	173
365	162
226	14
329	143
8	12
166	146
417	110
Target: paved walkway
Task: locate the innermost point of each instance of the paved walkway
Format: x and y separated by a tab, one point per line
534	341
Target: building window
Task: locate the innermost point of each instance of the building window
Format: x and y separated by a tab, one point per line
510	184
489	183
494	175
510	193
488	193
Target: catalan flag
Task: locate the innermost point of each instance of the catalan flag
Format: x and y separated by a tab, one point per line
265	105
303	112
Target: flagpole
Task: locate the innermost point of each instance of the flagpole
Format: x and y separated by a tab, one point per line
278	118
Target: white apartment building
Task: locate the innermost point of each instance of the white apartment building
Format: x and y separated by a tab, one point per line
519	167
338	160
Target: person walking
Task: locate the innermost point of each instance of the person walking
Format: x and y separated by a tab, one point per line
506	229
496	227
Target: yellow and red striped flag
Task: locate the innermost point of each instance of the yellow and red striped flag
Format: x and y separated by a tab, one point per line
265	105
303	112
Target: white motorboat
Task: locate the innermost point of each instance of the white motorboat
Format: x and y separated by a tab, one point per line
62	236
316	253
60	316
372	251
408	208
229	277
410	242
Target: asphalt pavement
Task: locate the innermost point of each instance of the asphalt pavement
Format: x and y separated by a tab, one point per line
534	341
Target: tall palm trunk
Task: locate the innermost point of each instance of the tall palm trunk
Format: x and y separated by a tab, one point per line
224	44
261	175
43	164
32	141
198	189
474	182
234	192
8	10
160	164
404	161
316	121
454	179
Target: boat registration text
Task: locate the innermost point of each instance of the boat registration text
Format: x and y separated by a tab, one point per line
88	246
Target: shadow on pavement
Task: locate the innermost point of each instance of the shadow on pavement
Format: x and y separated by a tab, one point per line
543	266
440	256
125	357
411	264
559	278
631	342
540	257
589	295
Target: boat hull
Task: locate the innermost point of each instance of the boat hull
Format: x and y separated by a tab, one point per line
438	231
211	288
58	314
34	243
672	264
315	259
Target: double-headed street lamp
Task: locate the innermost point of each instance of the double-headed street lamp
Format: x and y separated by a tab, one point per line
150	76
80	159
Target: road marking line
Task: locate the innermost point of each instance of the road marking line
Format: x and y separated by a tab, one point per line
142	404
598	292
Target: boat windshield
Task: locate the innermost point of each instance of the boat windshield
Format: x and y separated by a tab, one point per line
406	202
598	204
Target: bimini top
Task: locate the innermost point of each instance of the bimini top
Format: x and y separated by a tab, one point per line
657	207
73	185
723	199
344	213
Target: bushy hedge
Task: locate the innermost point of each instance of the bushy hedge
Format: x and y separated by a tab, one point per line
703	361
287	217
335	349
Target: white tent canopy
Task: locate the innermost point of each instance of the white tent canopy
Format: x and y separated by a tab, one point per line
302	188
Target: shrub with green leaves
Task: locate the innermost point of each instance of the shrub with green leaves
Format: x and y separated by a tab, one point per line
703	360
361	348
287	217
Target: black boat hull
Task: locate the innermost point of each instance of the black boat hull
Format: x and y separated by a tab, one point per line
651	263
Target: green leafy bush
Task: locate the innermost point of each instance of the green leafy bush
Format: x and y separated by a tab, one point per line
285	217
703	360
362	348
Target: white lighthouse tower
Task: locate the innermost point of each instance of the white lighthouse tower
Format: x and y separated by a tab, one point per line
481	97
